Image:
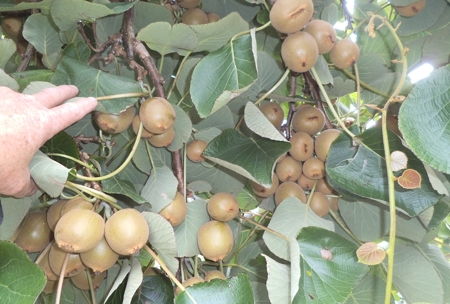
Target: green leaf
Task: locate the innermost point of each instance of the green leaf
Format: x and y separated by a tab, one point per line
253	158
79	51
423	119
199	187
42	33
340	88
21	280
115	185
62	143
49	175
184	77
251	263
186	233
66	13
145	13
26	77
288	219
258	123
371	67
330	13
222	119
225	7
161	157
7	81
134	280
8	7
327	280
278	281
362	171
162	239
323	71
235	71
246	198
119	280
156	289
369	291
236	290
260	293
93	82
7	49
160	188
182	127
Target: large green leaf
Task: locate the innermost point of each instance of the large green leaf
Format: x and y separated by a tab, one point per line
62	143
42	33
249	261
423	119
236	290
93	82
362	171
182	127
156	288
225	7
370	290
7	81
222	119
160	188
26	77
21	280
145	13
327	280
7	7
278	281
235	71
253	158
7	49
115	185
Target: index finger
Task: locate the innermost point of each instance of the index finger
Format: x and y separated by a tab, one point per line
52	97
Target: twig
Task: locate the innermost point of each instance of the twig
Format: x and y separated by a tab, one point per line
151	68
86	39
26	57
347	16
177	167
314	87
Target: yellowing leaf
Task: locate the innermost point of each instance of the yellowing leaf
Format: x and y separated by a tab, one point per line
410	179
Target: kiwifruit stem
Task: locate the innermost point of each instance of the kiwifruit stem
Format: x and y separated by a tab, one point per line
91	287
43	253
90	167
124	95
61	279
265	228
178	74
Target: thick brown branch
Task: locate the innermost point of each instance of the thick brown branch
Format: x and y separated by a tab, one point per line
128	32
314	87
151	68
86	39
116	38
177	167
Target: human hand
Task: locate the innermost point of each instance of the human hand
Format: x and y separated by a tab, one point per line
26	123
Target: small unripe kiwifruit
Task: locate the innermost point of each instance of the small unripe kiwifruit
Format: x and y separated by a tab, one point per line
344	54
266	192
215	240
81	280
135	125
13	27
410	10
56	258
314	168
308	119
299	52
157	115
302	146
45	266
194	16
289	16
115	123
99	258
214	274
189	282
126	231
319	204
194	150
289	169
212	17
323	142
34	233
223	206
188	3
162	140
273	112
54	213
324	34
289	189
175	212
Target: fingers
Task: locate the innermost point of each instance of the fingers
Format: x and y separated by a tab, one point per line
52	97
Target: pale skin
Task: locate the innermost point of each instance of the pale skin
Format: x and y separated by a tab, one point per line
26	123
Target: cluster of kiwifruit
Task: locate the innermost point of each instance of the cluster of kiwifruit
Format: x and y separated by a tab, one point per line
73	228
304	164
307	39
410	10
12	28
192	14
157	116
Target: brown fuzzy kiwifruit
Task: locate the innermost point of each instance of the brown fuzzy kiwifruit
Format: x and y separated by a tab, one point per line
175	212
81	280
334	203
273	112
79	230
126	231
157	115
162	140
299	52
99	258
135	125
214	274
308	119
188	3
75	204
289	16
115	123
194	150
323	142
289	189
306	183
212	17
344	54
44	264
323	186
52	286
223	206
194	16
261	191
56	258
281	157
289	169
314	168
302	146
319	204
410	10
215	240
13	27
324	34
54	213
34	233
189	282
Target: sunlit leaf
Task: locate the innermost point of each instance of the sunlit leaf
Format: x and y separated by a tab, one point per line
369	291
278	281
134	281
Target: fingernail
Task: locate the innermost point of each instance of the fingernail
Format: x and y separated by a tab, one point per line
75	87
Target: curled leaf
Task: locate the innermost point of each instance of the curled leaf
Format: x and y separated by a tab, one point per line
399	160
410	179
370	254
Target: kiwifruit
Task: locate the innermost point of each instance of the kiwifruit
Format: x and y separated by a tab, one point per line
305	183
288	169
175	212
308	119
157	115
194	150
223	206
194	16
391	124
79	230
299	52
334	203
319	204
302	146
323	142
410	10
324	34
323	186
214	274
126	231
34	233
52	286
314	168
43	262
56	258
289	16
188	3
21	46
261	191
115	123
135	125
344	54
289	189
54	213
162	140
215	240
13	27
273	112
212	17
76	203
81	280
189	282
99	258
281	157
